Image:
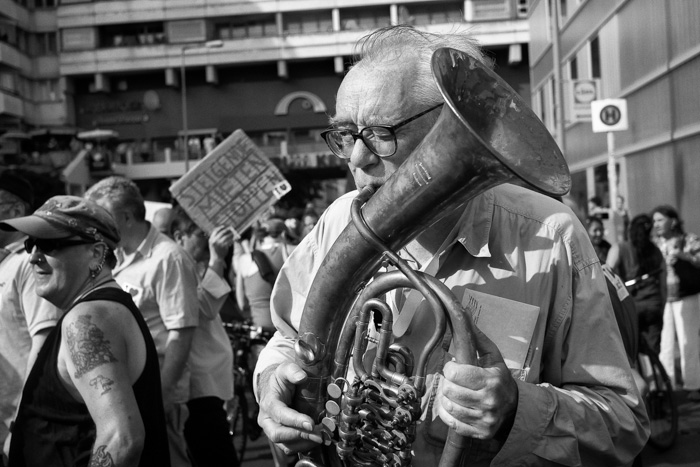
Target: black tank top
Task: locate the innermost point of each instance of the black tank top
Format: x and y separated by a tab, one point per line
53	429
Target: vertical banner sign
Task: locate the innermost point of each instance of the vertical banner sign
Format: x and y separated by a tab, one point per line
233	185
583	92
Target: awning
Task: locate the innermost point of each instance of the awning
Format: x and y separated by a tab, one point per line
97	135
199	132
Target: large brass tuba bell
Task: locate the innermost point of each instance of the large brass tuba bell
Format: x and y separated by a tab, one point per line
485	135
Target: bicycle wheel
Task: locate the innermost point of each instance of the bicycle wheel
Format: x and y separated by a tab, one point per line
661	405
237	416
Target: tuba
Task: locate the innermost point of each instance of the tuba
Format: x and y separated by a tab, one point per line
485	136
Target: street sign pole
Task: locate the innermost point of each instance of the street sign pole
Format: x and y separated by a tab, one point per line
612	171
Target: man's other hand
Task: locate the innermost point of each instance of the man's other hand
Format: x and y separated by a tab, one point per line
479	401
290	430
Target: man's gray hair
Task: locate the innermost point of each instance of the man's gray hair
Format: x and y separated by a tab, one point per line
404	42
121	193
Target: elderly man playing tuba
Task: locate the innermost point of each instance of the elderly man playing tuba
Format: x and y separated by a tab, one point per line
570	400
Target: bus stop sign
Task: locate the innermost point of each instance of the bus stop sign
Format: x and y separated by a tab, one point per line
609	115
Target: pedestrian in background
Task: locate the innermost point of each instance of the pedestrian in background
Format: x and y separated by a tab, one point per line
681	322
596	233
162	280
211	357
640	264
25	318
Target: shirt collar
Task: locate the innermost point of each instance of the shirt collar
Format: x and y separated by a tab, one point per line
475	225
17	246
145	249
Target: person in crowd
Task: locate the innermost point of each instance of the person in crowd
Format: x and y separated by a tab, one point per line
162	220
641	266
596	232
508	242
596	208
25	318
308	222
258	263
93	395
162	280
211	357
623	215
681	320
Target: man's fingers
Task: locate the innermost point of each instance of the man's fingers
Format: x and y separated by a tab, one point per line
489	355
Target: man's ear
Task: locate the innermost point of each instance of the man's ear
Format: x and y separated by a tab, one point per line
99	250
177	236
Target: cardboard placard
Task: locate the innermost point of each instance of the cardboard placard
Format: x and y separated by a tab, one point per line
233	185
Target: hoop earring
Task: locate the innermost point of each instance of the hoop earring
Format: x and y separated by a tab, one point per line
94	272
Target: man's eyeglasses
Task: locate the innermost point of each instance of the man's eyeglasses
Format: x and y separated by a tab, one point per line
379	139
48	245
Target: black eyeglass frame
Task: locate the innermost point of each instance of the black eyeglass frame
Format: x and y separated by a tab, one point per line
359	135
49	245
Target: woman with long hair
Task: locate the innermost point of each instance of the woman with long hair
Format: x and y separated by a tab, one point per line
681	321
640	264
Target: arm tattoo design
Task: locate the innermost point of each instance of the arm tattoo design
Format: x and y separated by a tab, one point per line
101	383
101	458
88	346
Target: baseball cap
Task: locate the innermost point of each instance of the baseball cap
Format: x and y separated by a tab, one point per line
17	186
68	216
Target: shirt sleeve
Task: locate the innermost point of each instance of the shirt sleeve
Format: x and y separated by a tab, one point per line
176	292
287	305
294	281
589	411
212	293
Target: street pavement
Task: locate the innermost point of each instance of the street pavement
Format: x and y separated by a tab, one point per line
684	453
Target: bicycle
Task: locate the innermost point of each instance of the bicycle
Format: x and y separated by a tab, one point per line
242	424
658	398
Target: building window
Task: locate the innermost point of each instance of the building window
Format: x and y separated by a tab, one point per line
243	27
434	13
308	22
573	68
44	3
364	18
44	43
595	58
46	90
132	35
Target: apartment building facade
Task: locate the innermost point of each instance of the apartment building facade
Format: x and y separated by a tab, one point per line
646	52
268	67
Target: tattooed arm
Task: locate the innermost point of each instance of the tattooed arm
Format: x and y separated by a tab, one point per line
101	356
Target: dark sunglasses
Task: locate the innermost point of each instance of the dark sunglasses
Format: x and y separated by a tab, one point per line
47	245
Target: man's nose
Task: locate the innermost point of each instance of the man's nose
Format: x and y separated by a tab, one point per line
361	155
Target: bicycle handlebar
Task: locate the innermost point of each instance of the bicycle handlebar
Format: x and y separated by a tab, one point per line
243	329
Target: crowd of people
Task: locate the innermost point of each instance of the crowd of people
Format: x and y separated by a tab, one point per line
111	329
660	264
151	387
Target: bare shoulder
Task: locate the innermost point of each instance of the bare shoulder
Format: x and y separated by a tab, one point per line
98	325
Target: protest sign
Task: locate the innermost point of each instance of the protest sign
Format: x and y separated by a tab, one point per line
233	185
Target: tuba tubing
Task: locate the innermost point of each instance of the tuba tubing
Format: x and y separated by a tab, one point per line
485	136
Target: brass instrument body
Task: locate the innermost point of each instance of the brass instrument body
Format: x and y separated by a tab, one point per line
484	136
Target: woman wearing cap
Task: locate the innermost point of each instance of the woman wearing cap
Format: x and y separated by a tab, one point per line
93	396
